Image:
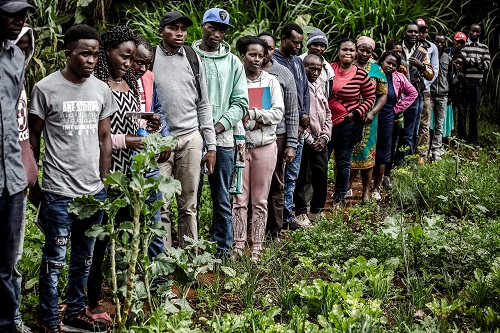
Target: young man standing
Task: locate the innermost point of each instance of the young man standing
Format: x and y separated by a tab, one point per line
425	120
187	111
439	95
286	136
317	43
420	69
478	62
12	174
291	43
228	96
72	108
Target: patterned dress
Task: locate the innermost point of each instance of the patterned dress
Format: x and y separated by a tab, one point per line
363	154
121	124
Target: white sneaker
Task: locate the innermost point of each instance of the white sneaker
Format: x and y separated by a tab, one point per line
302	221
348	194
376	195
315	217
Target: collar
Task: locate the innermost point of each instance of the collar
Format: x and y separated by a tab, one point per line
407	51
469	42
168	53
7	45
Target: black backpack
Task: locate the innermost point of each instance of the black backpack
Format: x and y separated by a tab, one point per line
193	62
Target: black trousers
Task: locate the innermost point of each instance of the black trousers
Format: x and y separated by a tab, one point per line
473	100
317	164
11	210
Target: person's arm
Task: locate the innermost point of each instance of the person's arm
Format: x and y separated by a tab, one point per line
367	91
423	66
204	112
238	101
486	59
409	92
156	108
434	60
291	112
381	98
104	132
36	125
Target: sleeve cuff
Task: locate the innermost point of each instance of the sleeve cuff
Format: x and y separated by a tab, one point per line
118	141
212	147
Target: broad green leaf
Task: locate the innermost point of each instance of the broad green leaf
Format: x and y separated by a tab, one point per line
84	207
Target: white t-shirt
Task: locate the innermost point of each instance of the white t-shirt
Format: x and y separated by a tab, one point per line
72	113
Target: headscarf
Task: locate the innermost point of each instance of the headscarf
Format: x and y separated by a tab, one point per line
366	40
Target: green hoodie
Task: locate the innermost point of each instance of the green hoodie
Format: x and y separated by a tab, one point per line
227	89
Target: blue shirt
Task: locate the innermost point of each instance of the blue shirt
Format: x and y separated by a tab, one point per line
12	174
296	66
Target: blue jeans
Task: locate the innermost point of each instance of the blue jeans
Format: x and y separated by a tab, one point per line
100	247
220	182
59	227
420	108
342	144
291	175
11	211
408	135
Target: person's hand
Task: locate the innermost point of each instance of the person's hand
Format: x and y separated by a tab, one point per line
349	117
369	117
35	195
301	131
319	144
245	120
219	128
415	62
133	142
209	159
289	154
305	121
154	123
164	156
259	125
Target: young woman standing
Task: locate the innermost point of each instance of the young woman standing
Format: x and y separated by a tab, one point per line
352	97
261	150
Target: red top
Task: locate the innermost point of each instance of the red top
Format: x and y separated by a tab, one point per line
352	92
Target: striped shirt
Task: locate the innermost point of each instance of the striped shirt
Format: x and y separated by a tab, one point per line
478	60
357	95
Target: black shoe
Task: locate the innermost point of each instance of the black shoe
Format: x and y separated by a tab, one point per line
82	323
50	329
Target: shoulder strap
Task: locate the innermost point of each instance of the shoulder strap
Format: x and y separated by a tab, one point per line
193	62
154	57
195	66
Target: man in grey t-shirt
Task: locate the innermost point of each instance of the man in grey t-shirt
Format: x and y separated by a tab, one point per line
73	109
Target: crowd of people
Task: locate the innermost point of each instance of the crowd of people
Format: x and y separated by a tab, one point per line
261	123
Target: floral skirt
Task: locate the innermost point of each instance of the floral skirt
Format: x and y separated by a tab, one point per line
363	154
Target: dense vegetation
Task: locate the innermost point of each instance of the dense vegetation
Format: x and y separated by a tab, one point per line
426	260
380	19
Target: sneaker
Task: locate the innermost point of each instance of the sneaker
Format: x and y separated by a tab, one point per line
476	146
348	194
376	195
237	253
21	328
386	183
315	217
82	323
49	329
301	221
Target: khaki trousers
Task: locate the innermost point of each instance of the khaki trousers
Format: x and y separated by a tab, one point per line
183	165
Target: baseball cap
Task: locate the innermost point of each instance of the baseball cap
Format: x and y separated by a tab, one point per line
172	17
460	36
217	15
421	23
14	6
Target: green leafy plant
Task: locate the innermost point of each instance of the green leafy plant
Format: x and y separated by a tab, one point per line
136	235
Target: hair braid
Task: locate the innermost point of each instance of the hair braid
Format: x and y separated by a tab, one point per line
110	40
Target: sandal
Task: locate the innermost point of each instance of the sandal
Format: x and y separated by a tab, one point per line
102	317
